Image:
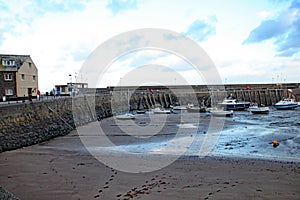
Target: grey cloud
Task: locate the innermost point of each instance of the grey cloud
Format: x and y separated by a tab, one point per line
283	29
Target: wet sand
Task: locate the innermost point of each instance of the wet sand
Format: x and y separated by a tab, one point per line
63	169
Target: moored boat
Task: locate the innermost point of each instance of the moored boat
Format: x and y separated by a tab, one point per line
194	109
179	107
140	112
221	113
126	116
160	111
233	104
255	109
286	104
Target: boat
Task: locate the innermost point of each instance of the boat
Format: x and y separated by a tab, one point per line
126	116
286	104
179	107
233	104
255	109
194	109
160	111
221	113
140	112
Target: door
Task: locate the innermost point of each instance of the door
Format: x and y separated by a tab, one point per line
29	94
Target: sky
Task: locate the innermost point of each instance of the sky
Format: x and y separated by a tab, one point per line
255	41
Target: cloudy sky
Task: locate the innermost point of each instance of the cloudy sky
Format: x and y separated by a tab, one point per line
255	41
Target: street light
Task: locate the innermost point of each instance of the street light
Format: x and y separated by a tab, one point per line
70	87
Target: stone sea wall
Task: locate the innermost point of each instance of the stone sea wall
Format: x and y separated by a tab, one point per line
31	123
26	124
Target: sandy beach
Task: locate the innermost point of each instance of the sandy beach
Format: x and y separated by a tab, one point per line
63	169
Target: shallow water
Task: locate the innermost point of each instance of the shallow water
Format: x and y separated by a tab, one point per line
250	136
255	137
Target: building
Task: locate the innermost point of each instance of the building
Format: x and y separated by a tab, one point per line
69	88
18	77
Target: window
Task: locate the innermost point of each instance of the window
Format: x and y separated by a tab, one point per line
9	92
29	65
63	89
22	77
8	77
33	78
8	62
11	62
4	62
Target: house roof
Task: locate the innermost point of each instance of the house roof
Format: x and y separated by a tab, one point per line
18	61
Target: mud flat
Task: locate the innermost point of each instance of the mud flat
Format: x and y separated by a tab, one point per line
64	169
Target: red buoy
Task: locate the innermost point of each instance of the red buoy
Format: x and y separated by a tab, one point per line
275	144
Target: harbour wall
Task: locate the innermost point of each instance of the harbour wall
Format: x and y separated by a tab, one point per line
26	124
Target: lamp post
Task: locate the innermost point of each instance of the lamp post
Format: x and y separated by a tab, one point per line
70	87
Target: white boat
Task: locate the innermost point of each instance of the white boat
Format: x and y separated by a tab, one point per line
126	116
194	109
221	113
160	111
259	110
233	104
179	107
140	112
286	104
182	107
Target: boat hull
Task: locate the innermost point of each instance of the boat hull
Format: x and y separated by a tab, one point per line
140	112
179	108
159	111
196	110
286	107
125	117
221	113
259	110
